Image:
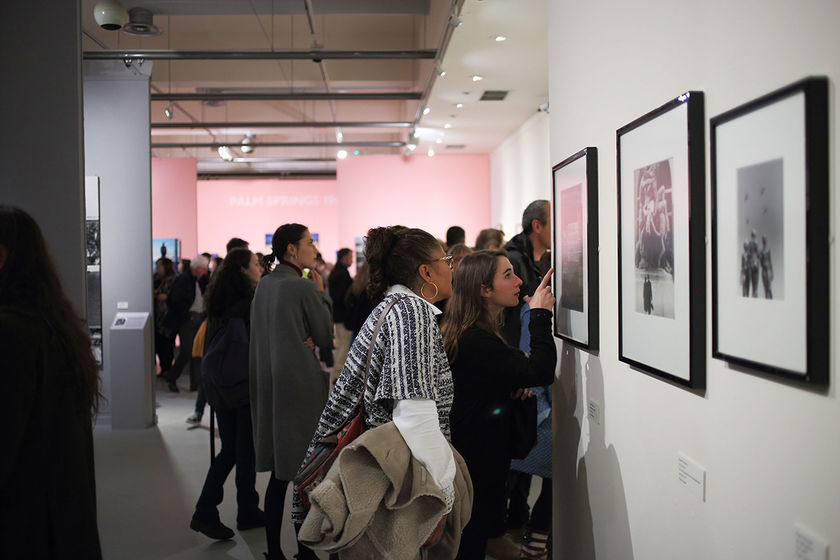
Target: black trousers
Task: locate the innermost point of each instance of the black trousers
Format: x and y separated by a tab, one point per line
165	350
237	450
187	334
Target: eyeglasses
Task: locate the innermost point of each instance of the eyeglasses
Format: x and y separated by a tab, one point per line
448	259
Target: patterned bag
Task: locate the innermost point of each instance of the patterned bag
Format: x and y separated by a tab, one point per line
317	464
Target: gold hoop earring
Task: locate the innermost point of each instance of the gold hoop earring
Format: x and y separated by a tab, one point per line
424	295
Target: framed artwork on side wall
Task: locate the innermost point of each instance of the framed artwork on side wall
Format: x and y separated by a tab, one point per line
770	230
661	249
575	206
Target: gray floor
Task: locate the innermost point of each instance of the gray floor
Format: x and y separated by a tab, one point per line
147	483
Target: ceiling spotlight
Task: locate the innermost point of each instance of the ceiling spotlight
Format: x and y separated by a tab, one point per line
168	112
427	110
499	38
455	21
415	134
225	153
341	154
248	143
477	78
339	136
411	147
430	153
459	105
441	73
110	15
439	141
447	125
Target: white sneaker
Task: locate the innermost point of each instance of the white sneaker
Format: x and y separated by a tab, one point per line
193	419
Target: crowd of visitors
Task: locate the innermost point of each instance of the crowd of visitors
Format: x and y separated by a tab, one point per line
449	344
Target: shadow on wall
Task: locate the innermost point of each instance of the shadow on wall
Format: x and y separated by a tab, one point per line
580	453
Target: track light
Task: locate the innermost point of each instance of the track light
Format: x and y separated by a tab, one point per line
248	143
225	153
455	21
427	110
447	125
341	154
477	78
168	112
411	147
430	153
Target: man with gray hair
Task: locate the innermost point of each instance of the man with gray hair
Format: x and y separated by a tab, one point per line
186	311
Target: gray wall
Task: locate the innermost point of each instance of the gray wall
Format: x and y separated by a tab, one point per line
41	128
116	109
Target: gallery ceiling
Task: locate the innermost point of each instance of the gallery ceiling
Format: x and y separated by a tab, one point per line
306	79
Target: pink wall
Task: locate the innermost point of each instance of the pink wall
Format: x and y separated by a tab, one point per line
429	193
174	202
252	208
418	191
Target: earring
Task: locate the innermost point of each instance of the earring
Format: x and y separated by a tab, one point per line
429	298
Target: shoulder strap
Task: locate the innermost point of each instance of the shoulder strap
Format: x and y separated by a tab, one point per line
371	346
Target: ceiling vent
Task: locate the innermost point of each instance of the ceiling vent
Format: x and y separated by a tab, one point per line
455	146
494	95
140	23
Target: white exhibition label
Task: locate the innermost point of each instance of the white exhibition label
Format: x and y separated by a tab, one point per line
130	320
807	546
691	476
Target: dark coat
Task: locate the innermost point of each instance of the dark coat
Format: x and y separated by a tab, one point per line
485	373
180	299
339	282
47	487
520	252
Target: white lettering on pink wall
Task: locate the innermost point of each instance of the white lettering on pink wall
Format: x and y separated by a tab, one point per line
249	201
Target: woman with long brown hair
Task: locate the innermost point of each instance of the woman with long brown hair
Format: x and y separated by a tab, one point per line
488	375
51	381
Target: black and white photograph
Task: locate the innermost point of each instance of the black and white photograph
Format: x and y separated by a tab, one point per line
761	227
770	233
654	240
571	239
575	248
661	242
92	242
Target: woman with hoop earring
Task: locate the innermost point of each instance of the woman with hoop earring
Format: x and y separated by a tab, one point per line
409	380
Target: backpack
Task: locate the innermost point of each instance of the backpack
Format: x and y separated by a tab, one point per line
224	367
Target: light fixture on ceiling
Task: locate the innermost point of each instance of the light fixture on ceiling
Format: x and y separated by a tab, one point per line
110	14
427	110
356	152
447	125
248	143
455	21
441	72
225	153
430	153
477	78
415	134
438	140
500	38
339	136
167	112
140	23
411	147
459	105
341	154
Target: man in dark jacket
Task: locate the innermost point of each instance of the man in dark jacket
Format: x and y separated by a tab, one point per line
339	282
186	312
529	254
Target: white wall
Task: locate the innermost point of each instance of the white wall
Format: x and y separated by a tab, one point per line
520	172
116	127
771	448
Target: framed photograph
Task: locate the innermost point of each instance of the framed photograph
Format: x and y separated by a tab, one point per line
770	254
166	247
575	206
661	250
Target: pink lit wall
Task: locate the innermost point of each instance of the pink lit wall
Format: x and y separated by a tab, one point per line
174	202
419	191
252	208
429	193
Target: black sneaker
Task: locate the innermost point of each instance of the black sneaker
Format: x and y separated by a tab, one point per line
213	529
173	387
252	521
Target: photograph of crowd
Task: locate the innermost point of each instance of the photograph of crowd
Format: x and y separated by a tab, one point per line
761	230
654	239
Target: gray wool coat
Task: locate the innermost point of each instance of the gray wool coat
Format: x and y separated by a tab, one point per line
287	385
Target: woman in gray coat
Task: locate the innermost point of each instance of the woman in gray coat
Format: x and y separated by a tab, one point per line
288	386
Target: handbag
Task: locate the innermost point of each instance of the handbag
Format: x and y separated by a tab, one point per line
523	427
317	464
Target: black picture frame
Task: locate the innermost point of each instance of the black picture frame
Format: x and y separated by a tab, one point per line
661	233
775	148
574	205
